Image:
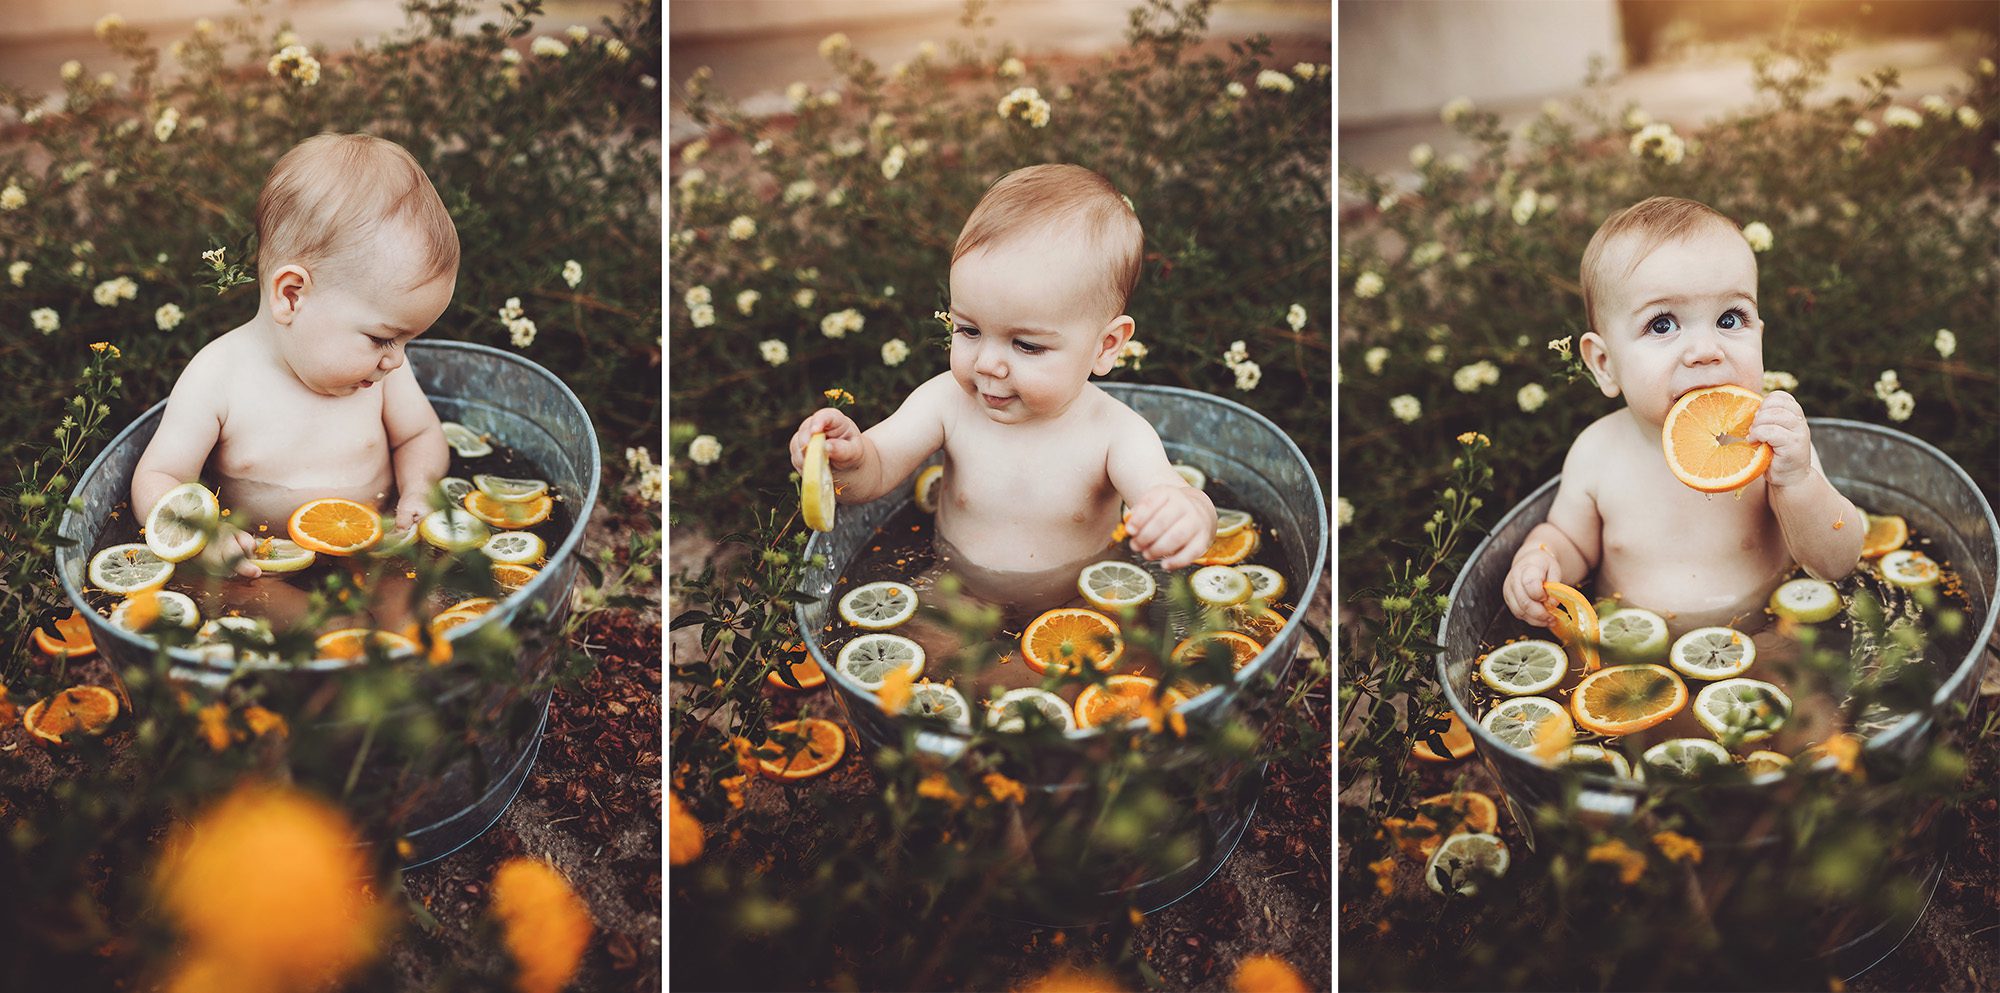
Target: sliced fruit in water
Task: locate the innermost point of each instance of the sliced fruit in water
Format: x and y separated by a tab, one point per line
179	525
869	658
1632	634
1713	653
1742	710
1524	668
1807	601
878	606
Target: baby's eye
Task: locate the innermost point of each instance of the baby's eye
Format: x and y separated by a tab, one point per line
1663	324
1732	319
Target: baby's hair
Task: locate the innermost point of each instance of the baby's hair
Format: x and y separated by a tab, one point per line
1067	198
327	197
1655	220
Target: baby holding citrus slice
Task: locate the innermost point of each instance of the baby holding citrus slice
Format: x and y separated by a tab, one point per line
1670	293
313	398
1036	457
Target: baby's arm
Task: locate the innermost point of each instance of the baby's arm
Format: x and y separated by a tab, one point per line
1170	521
1823	530
189	429
416	443
867	464
1562	549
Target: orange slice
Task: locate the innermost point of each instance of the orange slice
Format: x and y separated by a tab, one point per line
1692	437
512	577
1627	698
1241	646
1886	533
1575	622
821	750
1231	549
1418	836
73	639
89	709
515	516
333	526
805	670
348	644
1120	699
1457	742
1065	633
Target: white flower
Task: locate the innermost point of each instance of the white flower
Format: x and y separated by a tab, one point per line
839	323
1636	119
1434	354
1236	90
1406	408
1531	397
1946	342
107	24
617	51
696	297
704	450
1758	234
1969	118
1886	384
1524	207
1455	109
1247	375
522	331
1864	127
1421	154
892	164
1275	81
1900	405
577	33
742	227
12	198
1426	254
548	48
832	45
44	319
17	272
1659	141
1343	513
572	273
1133	351
1010	68
1295	317
72	71
109	292
296	63
774	351
169	119
1374	359
1468	379
800	190
1025	103
804	297
168	317
746	301
1902	117
894	351
1775	380
701	316
1367	284
1936	105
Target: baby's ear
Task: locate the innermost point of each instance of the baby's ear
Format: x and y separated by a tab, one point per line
287	289
1109	342
1597	361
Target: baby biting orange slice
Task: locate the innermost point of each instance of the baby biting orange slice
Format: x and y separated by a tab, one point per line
1703	436
1575	622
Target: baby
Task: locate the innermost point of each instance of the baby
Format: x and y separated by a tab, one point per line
1670	293
1036	458
313	397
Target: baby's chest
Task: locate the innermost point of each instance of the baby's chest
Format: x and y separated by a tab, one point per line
299	431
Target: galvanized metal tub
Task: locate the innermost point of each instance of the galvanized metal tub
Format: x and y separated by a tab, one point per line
523	406
1879	468
1233	444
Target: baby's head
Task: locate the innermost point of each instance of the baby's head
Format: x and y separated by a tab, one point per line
356	255
1670	291
1039	281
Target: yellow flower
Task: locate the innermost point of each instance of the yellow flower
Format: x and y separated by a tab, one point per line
267	889
1004	789
1677	846
545	926
1631	865
1266	974
684	834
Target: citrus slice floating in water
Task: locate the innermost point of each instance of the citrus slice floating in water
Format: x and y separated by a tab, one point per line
508	490
1229	522
878	606
1114	585
179	525
816	493
1624	699
822	744
71	640
1462	860
1219	586
928	699
1120	699
1574	621
870	658
1742	709
1266	583
925	490
1702	435
1195	477
1632	634
1533	724
1059	637
1242	647
453	529
1684	758
334	526
1886	533
1807	601
79	709
1713	653
1910	568
1006	714
1232	549
1524	668
1598	758
168	609
516	548
465	441
129	569
1457	742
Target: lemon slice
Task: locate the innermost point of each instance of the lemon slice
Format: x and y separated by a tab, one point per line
1764	766
1522	722
928	699
454	489
1112	585
509	490
878	606
281	555
179	525
1599	759
1808	601
516	548
1631	634
175	609
1228	522
465	441
129	569
1265	582
1683	758
1005	714
816	495
1742	709
926	488
1713	653
1462	860
453	530
1524	667
1910	568
1219	586
1195	477
870	658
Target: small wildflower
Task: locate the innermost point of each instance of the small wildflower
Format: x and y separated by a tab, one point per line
572	273
1406	408
894	351
704	450
746	301
1776	380
168	316
1946	343
1367	285
1455	110
1295	317
1758	234
1902	117
774	351
1531	397
742	227
701	316
1631	865
548	48
1677	847
1275	81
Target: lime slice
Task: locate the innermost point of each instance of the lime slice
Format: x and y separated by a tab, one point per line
1766	766
1524	667
928	699
1266	583
179	525
1219	586
1712	653
878	606
926	488
1807	601
1683	758
1005	714
465	441
1631	634
1228	522
509	490
175	610
455	489
1521	722
281	555
870	658
1462	860
453	530
1910	568
1195	477
1112	585
129	569
1597	759
1742	710
516	548
816	493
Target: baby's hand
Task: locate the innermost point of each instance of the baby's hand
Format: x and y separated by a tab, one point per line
230	550
843	440
1781	424
1172	523
1523	586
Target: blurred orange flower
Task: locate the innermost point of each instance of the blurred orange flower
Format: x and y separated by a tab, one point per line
545	925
